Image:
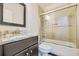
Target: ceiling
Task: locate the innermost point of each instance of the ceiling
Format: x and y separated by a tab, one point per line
45	4
49	6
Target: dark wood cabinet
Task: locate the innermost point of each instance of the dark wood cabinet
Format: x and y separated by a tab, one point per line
25	47
1	50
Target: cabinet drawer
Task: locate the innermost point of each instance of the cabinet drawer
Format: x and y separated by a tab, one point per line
23	53
15	47
31	51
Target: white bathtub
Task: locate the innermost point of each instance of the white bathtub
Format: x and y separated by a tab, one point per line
63	48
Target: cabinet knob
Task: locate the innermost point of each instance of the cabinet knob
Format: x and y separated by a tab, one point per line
31	51
27	54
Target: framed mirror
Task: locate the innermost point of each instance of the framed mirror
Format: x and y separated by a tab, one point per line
12	14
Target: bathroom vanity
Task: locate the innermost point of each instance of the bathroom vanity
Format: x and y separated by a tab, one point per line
24	47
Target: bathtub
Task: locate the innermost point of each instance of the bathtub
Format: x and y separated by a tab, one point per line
62	48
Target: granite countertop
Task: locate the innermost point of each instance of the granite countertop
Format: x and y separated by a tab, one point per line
16	38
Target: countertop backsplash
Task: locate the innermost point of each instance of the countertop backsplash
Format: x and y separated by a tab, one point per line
8	34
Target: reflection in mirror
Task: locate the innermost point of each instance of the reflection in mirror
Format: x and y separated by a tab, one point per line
13	13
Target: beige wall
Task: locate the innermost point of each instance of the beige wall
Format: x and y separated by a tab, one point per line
33	19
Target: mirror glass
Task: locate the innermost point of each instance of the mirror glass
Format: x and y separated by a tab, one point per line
14	14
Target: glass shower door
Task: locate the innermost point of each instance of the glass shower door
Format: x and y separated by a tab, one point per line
60	25
65	28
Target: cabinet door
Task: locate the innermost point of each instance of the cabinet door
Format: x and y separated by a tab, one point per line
23	53
33	50
1	50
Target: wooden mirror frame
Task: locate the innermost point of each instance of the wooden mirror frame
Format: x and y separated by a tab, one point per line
12	24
